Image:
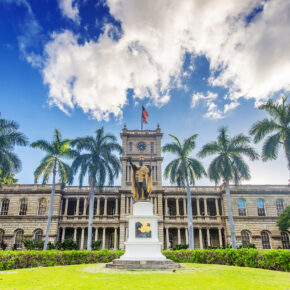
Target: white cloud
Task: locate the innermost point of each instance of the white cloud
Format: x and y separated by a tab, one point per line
69	9
251	60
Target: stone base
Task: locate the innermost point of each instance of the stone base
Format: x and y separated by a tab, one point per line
143	265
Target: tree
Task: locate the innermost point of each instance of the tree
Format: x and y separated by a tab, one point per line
7	178
277	126
99	163
52	164
284	220
184	170
9	138
229	165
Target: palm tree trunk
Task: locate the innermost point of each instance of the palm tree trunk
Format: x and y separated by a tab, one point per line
189	217
91	215
287	154
230	214
50	209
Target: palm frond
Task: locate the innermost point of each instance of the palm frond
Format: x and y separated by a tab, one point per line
270	147
261	128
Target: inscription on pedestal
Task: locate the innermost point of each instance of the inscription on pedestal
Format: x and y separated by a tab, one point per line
143	229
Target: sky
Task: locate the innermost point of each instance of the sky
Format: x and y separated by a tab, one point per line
196	65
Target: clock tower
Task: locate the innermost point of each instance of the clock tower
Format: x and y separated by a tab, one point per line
146	143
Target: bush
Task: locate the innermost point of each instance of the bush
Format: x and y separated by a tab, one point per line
33	244
3	245
96	245
69	244
180	247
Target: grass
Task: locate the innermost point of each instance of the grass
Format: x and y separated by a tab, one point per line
192	276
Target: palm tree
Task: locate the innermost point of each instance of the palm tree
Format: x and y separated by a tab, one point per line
99	163
52	164
229	165
184	170
278	125
9	138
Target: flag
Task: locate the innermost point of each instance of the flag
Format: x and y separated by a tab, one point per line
145	115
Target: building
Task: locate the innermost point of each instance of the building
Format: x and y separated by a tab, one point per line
256	208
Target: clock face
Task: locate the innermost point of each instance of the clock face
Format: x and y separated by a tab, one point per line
141	146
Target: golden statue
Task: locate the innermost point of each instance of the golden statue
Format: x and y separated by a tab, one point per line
141	180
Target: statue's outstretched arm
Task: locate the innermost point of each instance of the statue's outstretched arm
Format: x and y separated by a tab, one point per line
133	165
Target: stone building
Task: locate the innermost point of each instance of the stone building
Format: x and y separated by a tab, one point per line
256	208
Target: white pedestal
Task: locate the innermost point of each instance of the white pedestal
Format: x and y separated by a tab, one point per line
138	247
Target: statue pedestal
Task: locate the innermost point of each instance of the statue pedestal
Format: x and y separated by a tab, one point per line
143	249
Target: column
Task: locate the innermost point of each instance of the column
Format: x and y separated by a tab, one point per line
205	206
200	238
131	205
63	234
96	234
82	238
166	206
178	236
98	206
217	207
75	234
105	206
208	237
85	206
220	238
184	206
104	239
167	238
78	206
155	205
116	206
66	206
177	206
197	207
126	205
115	238
186	236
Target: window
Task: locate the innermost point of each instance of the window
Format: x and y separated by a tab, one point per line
285	240
38	235
1	235
4	207
130	147
279	206
260	207
151	147
265	240
18	239
23	206
242	207
245	238
42	206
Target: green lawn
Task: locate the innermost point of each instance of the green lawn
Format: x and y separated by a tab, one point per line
192	276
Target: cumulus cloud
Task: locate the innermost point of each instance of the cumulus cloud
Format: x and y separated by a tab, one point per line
249	58
69	9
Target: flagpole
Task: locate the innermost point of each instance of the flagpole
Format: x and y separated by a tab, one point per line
141	117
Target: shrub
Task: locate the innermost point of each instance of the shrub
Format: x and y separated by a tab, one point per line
69	244
3	245
96	245
33	244
180	247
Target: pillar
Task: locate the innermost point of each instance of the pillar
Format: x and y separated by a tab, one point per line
96	234
78	206
105	206
85	206
220	238
82	238
177	206
200	238
66	206
167	238
116	206
98	206
126	205
131	205
104	239
178	236
155	205
217	207
63	234
205	206
75	234
186	236
166	206
184	207
197	207
208	237
115	238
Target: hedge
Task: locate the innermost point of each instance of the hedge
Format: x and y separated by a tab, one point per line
270	259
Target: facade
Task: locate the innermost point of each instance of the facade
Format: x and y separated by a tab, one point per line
256	208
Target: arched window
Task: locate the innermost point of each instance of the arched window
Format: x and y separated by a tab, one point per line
260	207
38	235
130	147
285	240
265	240
18	239
42	206
4	207
245	238
242	207
1	235
23	206
279	206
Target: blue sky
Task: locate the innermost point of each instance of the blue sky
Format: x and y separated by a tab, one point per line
196	66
